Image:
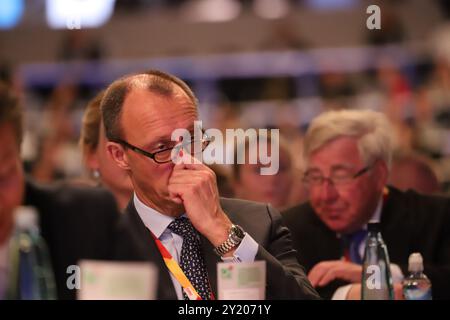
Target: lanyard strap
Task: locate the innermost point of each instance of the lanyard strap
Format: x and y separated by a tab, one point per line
175	269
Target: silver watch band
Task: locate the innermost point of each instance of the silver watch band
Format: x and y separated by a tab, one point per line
235	236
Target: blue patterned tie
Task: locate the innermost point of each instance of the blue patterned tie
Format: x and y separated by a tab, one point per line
191	260
352	243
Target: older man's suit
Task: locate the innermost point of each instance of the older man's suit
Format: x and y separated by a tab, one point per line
410	222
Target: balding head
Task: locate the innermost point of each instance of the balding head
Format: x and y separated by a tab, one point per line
154	81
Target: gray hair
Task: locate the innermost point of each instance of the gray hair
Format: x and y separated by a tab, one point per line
372	129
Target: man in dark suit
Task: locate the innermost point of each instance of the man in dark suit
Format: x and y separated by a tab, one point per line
347	155
176	210
76	223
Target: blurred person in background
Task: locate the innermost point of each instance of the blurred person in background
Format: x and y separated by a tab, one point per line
247	181
58	155
434	110
335	89
97	159
393	30
223	180
79	44
77	223
348	155
298	194
413	172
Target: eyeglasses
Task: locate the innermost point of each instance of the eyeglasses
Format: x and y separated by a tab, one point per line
165	155
338	177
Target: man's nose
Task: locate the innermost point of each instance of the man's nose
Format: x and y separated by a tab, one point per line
328	192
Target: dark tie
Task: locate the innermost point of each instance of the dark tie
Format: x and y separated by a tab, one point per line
191	260
352	243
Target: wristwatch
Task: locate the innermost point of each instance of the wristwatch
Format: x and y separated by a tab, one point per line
235	236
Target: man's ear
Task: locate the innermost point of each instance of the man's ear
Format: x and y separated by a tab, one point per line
117	153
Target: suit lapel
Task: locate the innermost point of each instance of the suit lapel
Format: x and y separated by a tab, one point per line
395	227
150	252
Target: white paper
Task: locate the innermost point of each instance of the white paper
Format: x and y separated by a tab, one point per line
241	281
101	280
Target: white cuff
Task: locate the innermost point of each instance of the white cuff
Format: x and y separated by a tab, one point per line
397	274
245	252
341	292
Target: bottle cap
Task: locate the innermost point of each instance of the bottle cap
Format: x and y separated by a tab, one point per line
415	262
26	217
373	226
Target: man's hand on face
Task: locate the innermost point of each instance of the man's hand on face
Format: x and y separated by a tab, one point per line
326	271
194	185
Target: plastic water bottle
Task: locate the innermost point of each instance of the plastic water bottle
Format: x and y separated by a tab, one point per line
416	286
30	272
376	281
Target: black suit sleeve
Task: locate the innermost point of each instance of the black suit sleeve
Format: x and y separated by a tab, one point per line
286	279
78	224
439	272
436	257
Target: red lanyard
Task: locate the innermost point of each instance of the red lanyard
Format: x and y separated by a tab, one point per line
175	269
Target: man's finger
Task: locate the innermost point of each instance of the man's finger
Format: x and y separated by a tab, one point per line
316	274
328	276
187	173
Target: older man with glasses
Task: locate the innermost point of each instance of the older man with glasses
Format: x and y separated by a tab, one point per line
347	156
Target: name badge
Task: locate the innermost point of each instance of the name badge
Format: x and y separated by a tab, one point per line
101	280
241	281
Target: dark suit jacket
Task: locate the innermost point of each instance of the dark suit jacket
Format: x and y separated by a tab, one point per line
410	222
77	223
285	277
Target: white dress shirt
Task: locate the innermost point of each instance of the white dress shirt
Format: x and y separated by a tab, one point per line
157	223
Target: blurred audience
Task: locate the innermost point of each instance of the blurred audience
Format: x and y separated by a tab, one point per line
78	44
77	223
57	155
413	172
248	182
223	181
392	29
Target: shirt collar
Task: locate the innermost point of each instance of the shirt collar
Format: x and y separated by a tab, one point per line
155	221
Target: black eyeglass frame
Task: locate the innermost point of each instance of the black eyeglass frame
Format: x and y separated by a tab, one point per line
152	156
356	175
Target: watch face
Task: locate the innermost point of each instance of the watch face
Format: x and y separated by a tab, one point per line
238	232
